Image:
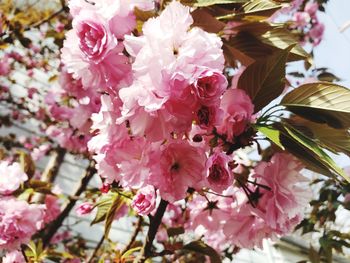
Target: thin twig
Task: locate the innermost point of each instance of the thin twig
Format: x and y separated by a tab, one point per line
57	223
63	8
51	171
91	258
134	235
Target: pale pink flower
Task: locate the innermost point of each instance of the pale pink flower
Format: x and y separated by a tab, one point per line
95	39
206	219
39	152
14	256
84	208
238	110
53	208
5	66
247	228
301	19
311	8
167	60
180	166
209	86
144	201
316	33
18	222
283	205
91	52
219	175
11	177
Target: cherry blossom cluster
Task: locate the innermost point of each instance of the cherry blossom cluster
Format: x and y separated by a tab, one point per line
303	15
307	21
170	122
19	219
71	105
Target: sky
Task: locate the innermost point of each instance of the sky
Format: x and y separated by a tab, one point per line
334	50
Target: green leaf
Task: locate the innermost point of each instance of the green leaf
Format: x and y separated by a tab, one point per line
130	252
202	3
335	140
263	80
321	102
255	7
102	208
272	134
117	202
282	38
309	152
200	247
327	76
258	39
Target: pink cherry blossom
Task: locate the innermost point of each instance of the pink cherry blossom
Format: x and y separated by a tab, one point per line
84	208
167	62
178	171
219	176
53	208
247	228
209	86
206	218
11	177
316	33
144	201
14	256
311	8
95	41
5	66
92	53
18	222
283	205
238	110
301	19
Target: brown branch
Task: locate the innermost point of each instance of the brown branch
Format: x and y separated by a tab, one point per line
91	258
134	235
51	171
64	8
152	231
57	223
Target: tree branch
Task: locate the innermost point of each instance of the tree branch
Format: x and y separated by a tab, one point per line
91	258
63	8
134	235
152	231
57	223
51	171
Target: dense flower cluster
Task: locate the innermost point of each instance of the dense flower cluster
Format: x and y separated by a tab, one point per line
307	21
164	107
18	222
169	122
11	177
233	220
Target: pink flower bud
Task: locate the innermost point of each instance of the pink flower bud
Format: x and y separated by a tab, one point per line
144	201
84	208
